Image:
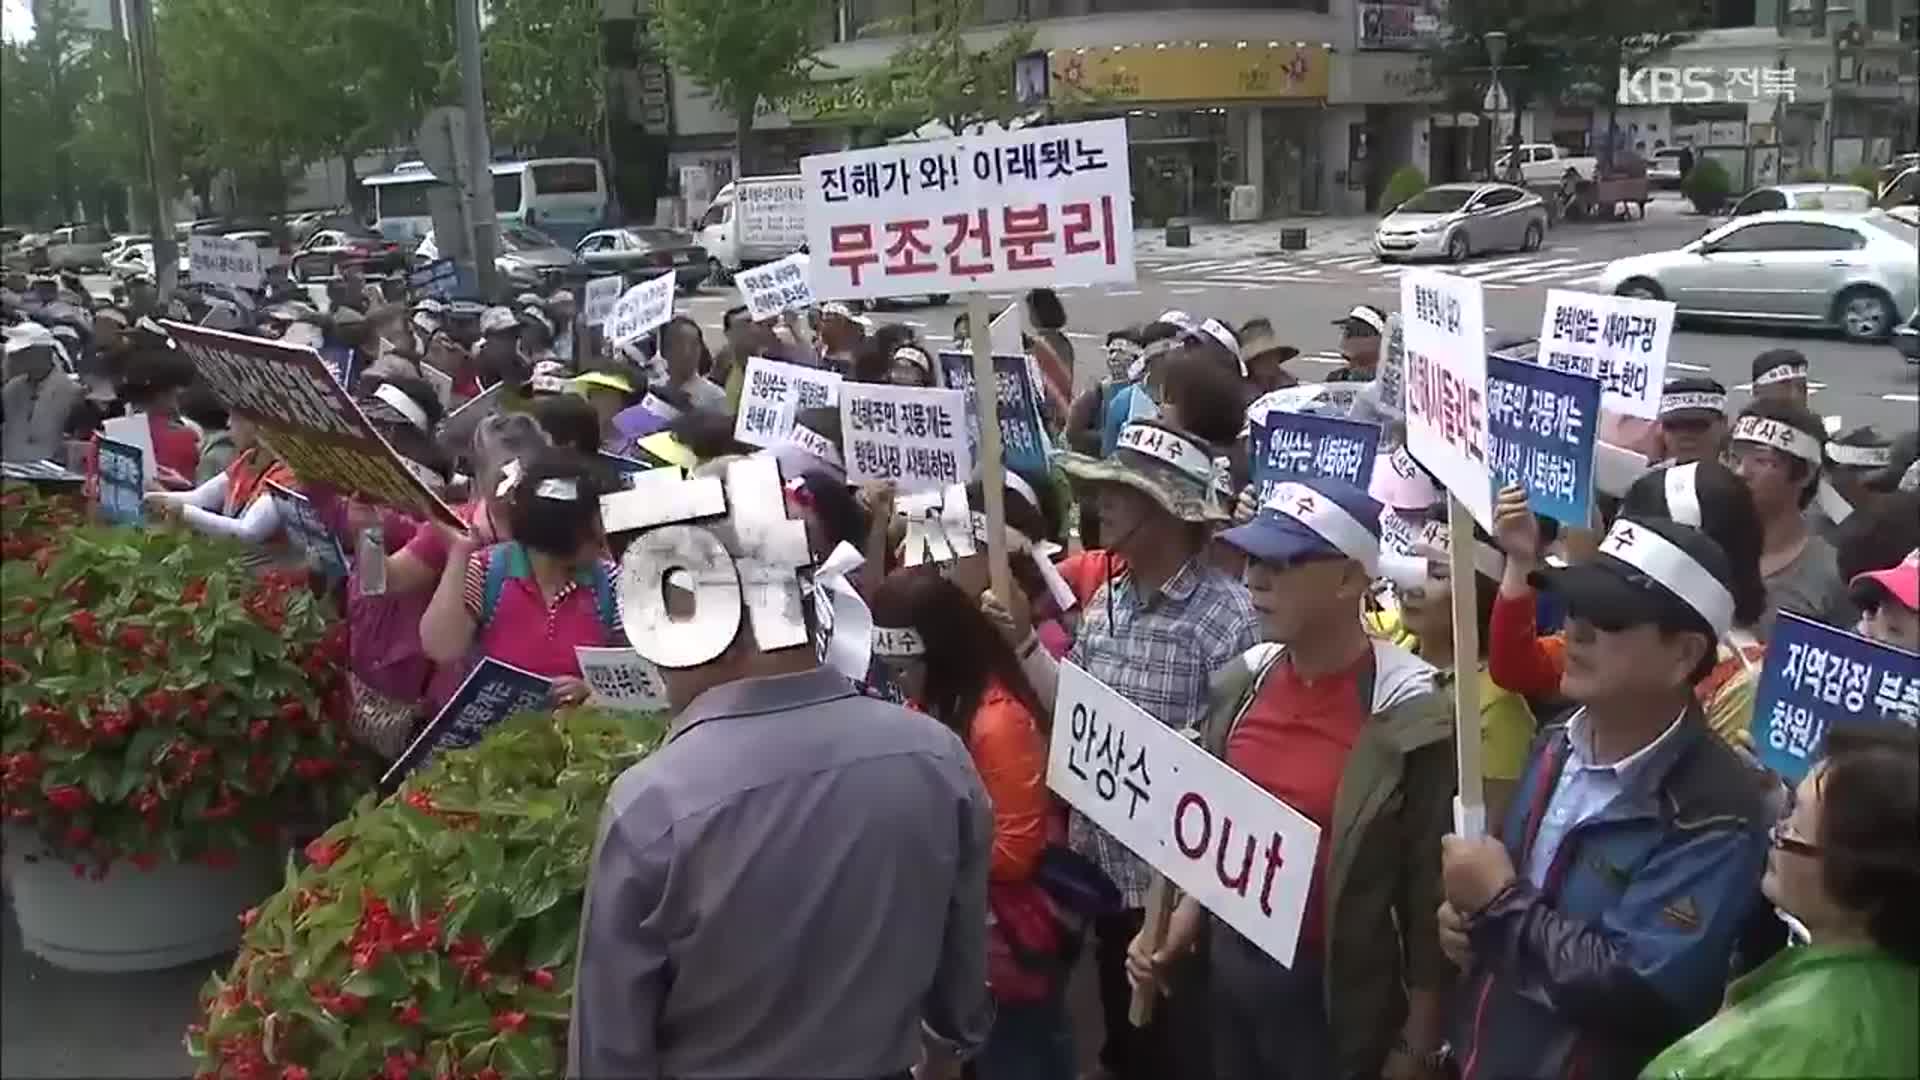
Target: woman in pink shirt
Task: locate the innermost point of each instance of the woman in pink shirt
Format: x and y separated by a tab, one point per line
532	600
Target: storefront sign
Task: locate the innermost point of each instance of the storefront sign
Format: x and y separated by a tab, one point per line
1816	678
913	436
1540	430
1706	85
1214	71
1400	24
1005	210
1447	384
1619	340
1244	855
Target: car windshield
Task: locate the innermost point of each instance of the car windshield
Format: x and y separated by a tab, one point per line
521	238
1437	201
1900	228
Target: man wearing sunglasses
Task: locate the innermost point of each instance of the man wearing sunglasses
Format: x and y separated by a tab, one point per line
1597	926
1693	420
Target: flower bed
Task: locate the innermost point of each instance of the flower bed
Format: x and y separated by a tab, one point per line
160	703
432	933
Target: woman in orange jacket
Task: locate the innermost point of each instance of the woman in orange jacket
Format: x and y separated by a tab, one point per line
952	665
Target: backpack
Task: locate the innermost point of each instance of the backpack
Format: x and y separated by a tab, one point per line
510	560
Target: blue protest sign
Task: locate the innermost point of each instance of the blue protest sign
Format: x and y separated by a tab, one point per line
1817	678
122	494
437	279
1295	446
1024	445
308	533
1540	432
492	692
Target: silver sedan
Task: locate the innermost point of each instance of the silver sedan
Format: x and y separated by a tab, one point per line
1859	273
1457	221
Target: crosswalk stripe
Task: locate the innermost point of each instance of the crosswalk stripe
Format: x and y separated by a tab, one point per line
1544	267
1348	261
1488	266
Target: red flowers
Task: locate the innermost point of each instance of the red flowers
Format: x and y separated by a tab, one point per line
249	917
193	594
132	638
259	731
323	853
541	978
334	1001
508	1020
85	626
315	768
69	798
407	1014
294	1072
292	712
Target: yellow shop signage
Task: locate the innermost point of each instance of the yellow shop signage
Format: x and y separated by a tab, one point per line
1212	72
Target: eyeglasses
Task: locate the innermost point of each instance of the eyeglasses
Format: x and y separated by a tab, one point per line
1784	839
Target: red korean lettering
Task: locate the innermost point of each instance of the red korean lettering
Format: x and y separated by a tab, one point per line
903	253
1022	230
852	248
1081	222
963	223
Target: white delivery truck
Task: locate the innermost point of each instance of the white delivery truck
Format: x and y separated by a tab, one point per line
753	220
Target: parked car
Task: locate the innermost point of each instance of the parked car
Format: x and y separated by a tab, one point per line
327	250
527	258
1838	198
1663	167
137	258
1456	221
1546	163
264	239
77	247
1906	339
119	244
641	253
1859	273
1900	189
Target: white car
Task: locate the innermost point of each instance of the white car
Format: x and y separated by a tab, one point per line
1663	168
1457	221
1838	198
119	244
137	258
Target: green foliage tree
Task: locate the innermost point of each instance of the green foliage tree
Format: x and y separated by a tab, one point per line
938	73
743	52
545	80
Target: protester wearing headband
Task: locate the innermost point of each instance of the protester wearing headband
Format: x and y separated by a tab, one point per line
1693	419
1780	375
502	444
1031	533
840	335
684	351
1361	332
1341	727
1596	923
1777	449
407	411
947	659
1858	463
1087	415
910	365
1138	400
1264	357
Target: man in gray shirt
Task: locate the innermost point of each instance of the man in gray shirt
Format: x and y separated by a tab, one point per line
793	887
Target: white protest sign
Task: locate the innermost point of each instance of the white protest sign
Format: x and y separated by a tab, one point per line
136	431
441	382
773	393
1244	855
598	299
621	679
1446	384
914	436
216	260
1000	210
776	287
1619	340
1007	331
640	309
771	214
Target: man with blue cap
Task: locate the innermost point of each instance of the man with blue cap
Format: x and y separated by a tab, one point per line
1354	733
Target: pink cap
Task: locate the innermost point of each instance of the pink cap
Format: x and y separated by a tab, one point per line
1399	483
1902	581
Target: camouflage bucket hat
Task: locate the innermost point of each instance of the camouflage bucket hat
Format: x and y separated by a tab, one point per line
1168	466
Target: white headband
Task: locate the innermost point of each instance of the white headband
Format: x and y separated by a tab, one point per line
1330	520
1170	448
561	488
914	356
398	400
1437	538
1683	400
1783	373
1782	437
1683	494
1675	570
1227	339
509	479
816	444
1148	355
1019	484
1860	457
1123	347
898	641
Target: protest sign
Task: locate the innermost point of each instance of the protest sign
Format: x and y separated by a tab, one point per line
1619	340
641	309
134	430
775	287
1000	210
439	279
1295	446
1541	425
216	260
621	679
308	533
913	436
771	214
1391	381
1023	436
773	392
1244	855
491	692
121	492
1446	384
307	417
599	297
1817	678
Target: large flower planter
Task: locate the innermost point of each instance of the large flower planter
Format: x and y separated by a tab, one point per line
131	919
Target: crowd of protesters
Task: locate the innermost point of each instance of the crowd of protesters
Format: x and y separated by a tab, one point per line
866	889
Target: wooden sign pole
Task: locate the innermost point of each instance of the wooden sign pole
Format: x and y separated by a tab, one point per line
986	390
1469	804
1154	931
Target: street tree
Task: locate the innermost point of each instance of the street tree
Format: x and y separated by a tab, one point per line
546	83
946	69
743	52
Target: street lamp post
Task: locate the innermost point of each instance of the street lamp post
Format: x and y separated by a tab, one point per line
1496	42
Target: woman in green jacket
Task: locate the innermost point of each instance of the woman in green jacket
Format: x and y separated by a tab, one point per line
1845	865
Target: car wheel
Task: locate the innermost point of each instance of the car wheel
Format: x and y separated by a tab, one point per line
1536	235
1640	289
1457	250
1864	314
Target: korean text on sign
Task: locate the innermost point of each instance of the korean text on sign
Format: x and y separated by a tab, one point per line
1619	340
307	417
216	260
439	279
122	490
491	693
621	679
640	309
309	533
776	287
601	294
773	393
1004	210
1023	438
1244	855
1445	334
1541	426
1293	446
1817	678
916	437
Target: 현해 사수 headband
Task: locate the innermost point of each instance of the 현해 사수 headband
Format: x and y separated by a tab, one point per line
1781	436
898	642
1673	569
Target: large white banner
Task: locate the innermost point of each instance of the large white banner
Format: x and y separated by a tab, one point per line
1244	855
1005	210
217	260
1619	340
1446	384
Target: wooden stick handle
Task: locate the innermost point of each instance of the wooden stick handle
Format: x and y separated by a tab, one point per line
1159	910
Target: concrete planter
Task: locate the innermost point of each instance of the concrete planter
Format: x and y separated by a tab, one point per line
131	920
